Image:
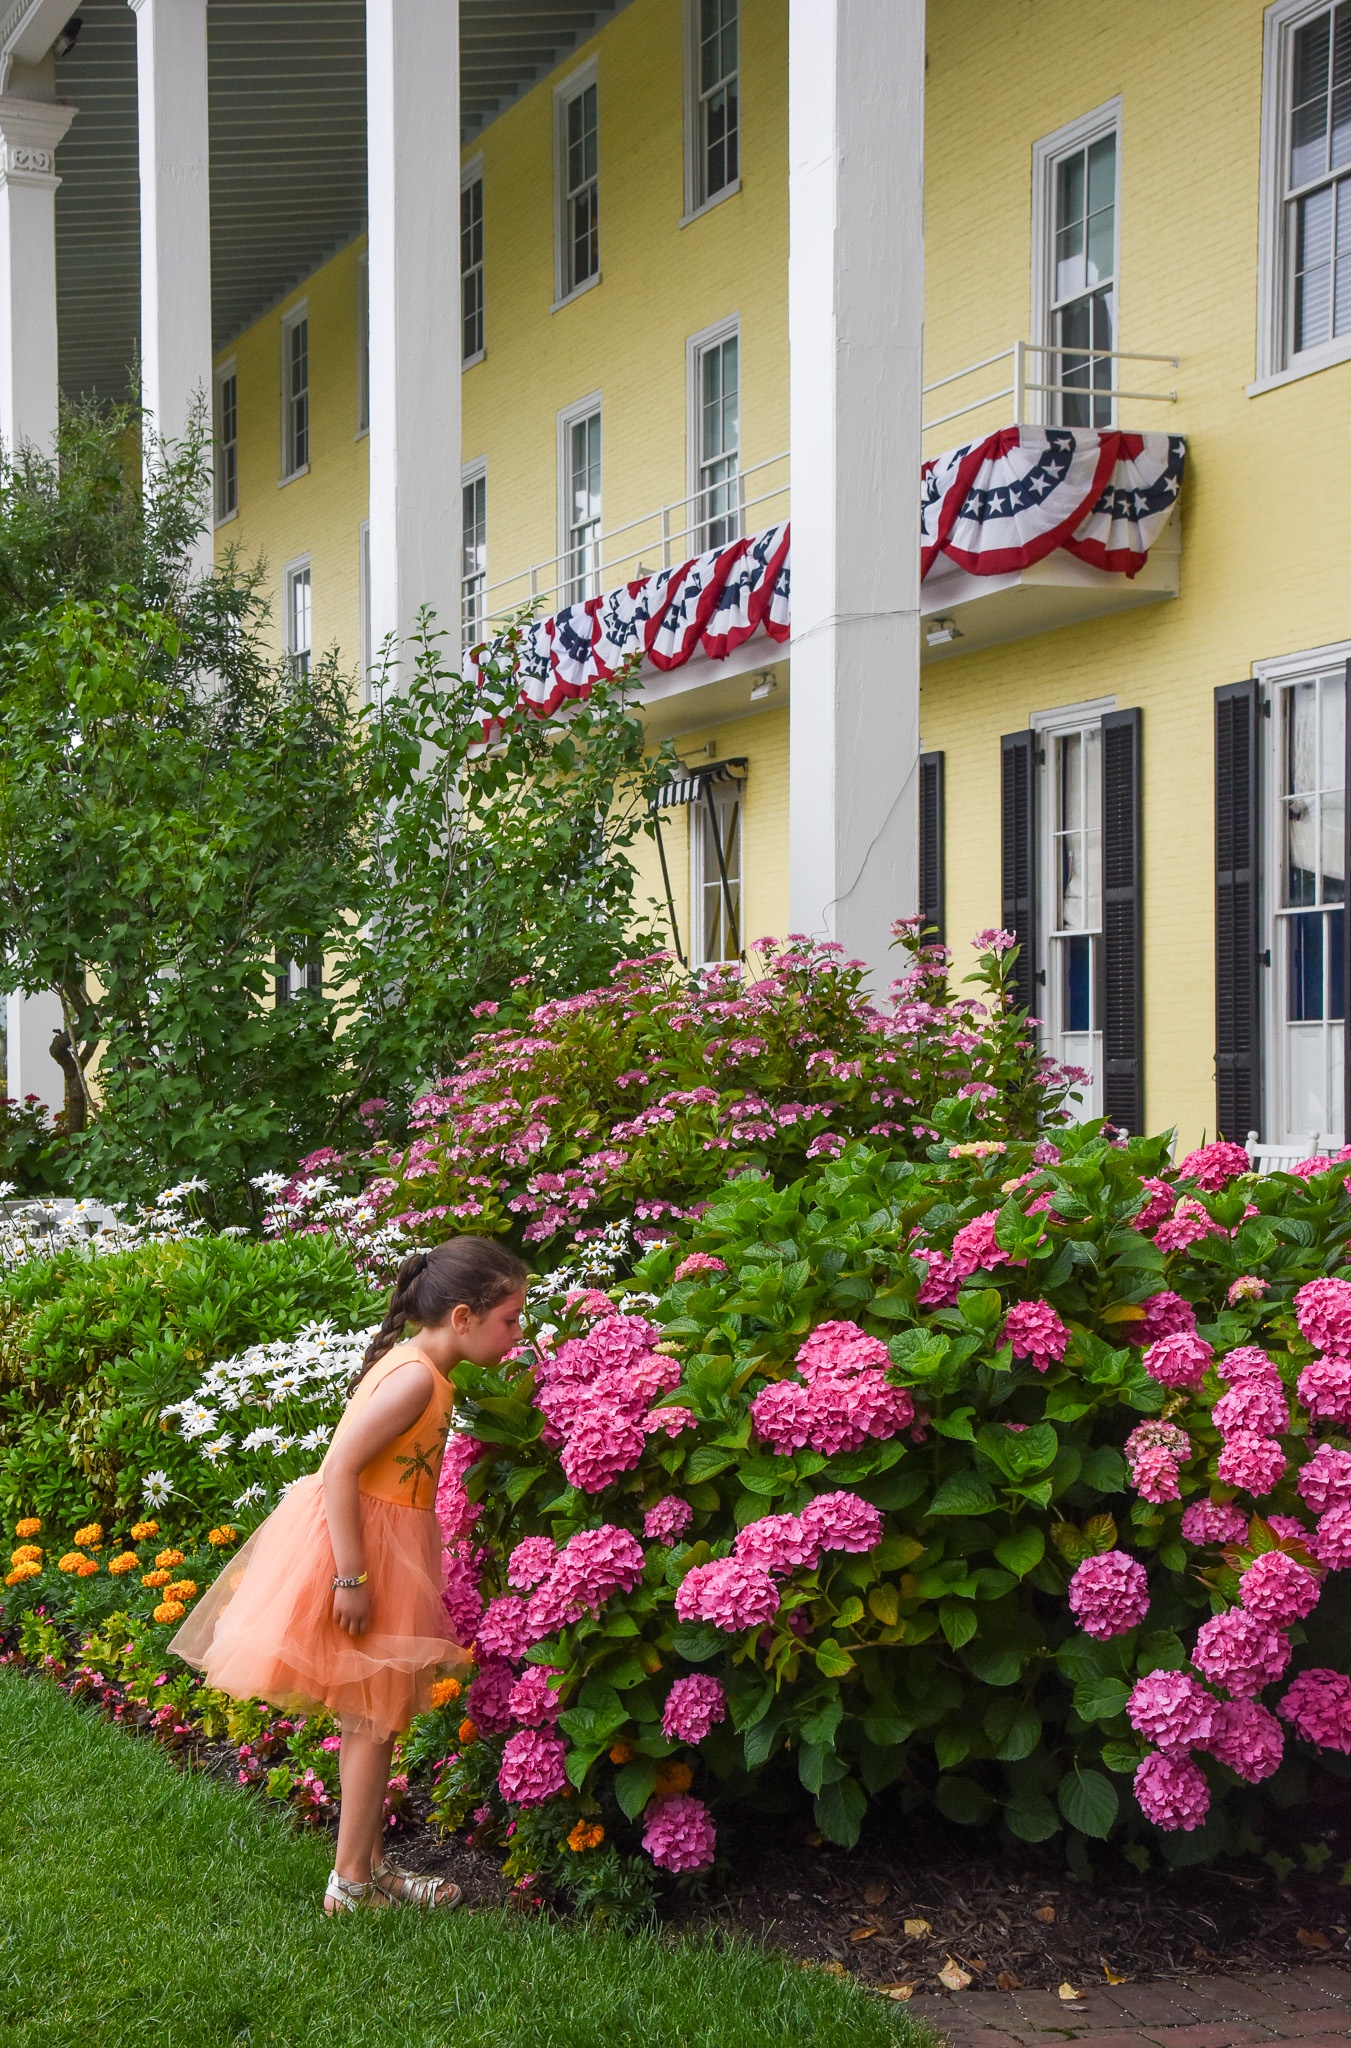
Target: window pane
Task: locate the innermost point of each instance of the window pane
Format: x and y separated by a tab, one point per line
1304	987
1341	91
1313	268
1069	206
1077	995
1336	944
1309	102
1069	260
1102	174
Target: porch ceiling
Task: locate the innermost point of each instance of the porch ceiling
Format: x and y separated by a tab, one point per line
288	154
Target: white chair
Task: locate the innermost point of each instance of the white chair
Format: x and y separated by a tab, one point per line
1280	1158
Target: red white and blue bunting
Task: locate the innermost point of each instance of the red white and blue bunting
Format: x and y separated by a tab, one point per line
990	508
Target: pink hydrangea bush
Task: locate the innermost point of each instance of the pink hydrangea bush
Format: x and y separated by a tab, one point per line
1109	1594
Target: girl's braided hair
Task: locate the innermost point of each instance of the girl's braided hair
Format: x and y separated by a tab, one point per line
478	1271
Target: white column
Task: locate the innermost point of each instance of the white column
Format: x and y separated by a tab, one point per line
413	182
855	322
29	133
31	1023
173	133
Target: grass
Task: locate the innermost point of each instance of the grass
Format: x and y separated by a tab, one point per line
143	1906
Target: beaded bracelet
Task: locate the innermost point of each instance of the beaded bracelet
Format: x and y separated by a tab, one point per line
344	1584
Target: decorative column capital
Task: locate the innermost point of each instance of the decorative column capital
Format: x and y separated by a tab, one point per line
29	133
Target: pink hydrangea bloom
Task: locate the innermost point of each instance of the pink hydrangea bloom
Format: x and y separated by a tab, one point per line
532	1560
533	1768
942	1282
487	1701
1166	1315
1247	1737
1154	1451
1325	1389
695	1263
1276	1590
668	1519
1253	1405
840	1347
1287	1528
841	1521
778	1544
678	1833
1159	1207
728	1592
592	1565
1172	1791
1317	1705
1256	1463
599	1447
1323	1312
846	1399
974	1247
532	1700
455	1512
693	1706
1248	1287
1179	1360
1109	1594
1248	1362
1208	1522
1035	1331
1325	1481
1239	1652
668	1421
782	1416
1172	1710
1188	1224
1331	1540
504	1630
460	1595
1214	1166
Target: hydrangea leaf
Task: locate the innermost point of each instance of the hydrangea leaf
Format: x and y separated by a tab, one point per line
1089	1802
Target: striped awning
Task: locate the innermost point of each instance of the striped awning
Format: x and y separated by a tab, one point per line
689	789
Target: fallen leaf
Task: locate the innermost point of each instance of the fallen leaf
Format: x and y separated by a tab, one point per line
916	1928
1008	1980
895	1990
1071	1997
1044	1913
972	1964
835	1969
875	1894
953	1977
1111	1975
1312	1937
864	1933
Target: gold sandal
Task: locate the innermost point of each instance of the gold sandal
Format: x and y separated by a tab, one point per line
347	1895
421	1892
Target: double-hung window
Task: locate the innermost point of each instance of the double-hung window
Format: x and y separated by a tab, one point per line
715	406
577	184
714	95
1075	227
295	393
715	873
227	443
298	629
474	557
471	266
1304	265
580	502
1069	813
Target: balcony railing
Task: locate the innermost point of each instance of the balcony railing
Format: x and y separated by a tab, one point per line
1061	372
661	539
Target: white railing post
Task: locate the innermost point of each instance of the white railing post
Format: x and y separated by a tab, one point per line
1019	382
665	536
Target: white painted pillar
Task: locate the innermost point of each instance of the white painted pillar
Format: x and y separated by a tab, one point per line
29	133
413	182
174	139
31	1023
855	322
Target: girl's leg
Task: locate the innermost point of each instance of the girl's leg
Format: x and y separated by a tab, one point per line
363	1773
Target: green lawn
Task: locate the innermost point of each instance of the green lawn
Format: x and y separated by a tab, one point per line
143	1907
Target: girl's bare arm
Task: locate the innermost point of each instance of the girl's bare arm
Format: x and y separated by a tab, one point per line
394	1407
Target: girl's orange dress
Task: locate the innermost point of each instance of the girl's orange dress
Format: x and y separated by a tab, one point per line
265	1628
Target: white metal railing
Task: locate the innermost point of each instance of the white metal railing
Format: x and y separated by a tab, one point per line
660	539
1017	389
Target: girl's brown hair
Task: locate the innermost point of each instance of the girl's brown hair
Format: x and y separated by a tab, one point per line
477	1271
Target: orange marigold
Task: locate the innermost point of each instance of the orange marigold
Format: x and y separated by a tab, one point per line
141	1532
29	1526
586	1835
169	1557
27	1553
90	1537
468	1732
445	1692
181	1589
154	1578
28	1570
71	1561
170	1610
86	1568
674	1777
125	1561
623	1752
223	1537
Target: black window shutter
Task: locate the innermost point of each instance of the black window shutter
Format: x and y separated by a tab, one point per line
932	856
1123	1017
1018	855
1238	1034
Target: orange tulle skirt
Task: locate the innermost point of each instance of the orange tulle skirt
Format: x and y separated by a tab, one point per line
265	1630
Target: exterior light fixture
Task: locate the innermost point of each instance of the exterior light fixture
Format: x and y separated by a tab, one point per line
67	38
764	686
939	631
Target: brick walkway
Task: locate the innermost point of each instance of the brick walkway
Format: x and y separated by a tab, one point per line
1311	2007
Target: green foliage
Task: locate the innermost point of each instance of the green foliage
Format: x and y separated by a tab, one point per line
34	1152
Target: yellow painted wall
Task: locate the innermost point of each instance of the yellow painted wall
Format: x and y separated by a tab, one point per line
1259	578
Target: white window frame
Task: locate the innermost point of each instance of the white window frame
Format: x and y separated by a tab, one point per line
363	426
473	473
1273	675
1050	726
567	419
725	796
696	347
571	88
471	175
697	200
1046	156
223	375
292	319
364	606
291	575
1275	363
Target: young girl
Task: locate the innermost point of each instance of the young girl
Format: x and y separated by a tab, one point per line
335	1601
